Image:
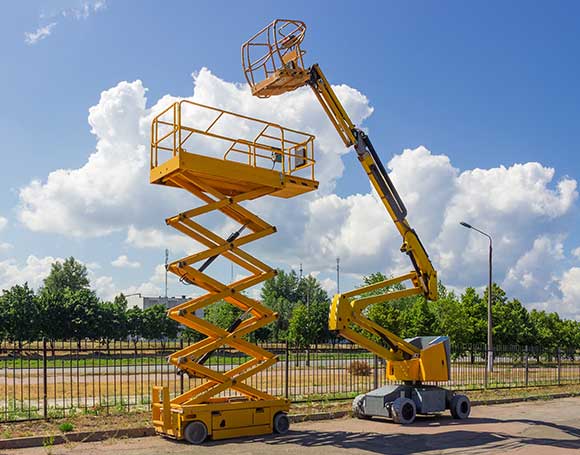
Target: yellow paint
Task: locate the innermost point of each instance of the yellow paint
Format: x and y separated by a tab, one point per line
274	161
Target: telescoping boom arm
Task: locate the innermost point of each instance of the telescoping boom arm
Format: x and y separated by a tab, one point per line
423	276
279	68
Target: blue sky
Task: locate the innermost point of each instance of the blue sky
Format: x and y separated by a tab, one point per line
484	85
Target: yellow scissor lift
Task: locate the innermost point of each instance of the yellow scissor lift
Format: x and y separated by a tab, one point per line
193	148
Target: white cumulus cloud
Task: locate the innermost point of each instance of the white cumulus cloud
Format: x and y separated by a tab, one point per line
123	262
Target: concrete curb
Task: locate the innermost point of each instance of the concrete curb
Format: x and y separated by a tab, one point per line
551	396
93	436
297	418
82	436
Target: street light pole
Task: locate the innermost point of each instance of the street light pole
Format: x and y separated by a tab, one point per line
489	295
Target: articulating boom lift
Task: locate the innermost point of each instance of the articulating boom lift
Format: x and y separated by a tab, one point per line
273	64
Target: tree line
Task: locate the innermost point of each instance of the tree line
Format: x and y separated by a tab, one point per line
66	308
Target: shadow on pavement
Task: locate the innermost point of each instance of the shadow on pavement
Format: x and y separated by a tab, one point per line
402	444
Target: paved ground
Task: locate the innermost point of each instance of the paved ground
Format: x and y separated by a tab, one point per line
522	428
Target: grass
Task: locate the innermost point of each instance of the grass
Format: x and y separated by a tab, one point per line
67	361
65	427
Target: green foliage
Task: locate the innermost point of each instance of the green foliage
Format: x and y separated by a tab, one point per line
284	293
20	313
112	319
70	275
65	307
156	324
222	314
65	427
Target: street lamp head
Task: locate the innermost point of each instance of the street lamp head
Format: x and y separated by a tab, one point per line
464	224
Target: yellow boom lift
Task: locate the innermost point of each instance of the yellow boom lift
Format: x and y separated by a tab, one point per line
192	148
273	64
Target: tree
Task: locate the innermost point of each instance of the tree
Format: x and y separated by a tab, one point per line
158	326
309	324
282	294
68	275
419	319
389	314
511	323
222	314
545	330
112	320
475	322
20	314
135	325
451	315
82	307
56	321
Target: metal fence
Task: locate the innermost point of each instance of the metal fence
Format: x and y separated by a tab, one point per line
49	380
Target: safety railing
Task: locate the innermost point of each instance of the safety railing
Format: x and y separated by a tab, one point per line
186	126
274	47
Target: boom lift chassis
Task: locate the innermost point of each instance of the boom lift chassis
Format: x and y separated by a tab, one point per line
273	64
223	171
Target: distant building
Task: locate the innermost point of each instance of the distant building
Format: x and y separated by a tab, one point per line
142	302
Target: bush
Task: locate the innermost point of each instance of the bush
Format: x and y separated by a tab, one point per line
66	427
359	368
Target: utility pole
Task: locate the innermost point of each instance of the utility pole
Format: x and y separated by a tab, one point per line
166	265
301	271
338	275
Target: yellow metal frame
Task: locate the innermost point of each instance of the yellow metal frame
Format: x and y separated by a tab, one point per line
280	69
224	401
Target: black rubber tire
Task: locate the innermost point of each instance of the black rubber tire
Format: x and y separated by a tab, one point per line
460	407
281	423
195	432
404	411
358	408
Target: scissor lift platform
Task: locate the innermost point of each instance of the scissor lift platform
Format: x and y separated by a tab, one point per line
224	159
229	177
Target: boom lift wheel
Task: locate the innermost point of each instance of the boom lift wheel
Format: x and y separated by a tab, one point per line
460	407
281	423
358	407
404	411
195	432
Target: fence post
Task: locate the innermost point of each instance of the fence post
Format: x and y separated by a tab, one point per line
181	375
485	377
286	370
376	372
527	364
559	358
44	381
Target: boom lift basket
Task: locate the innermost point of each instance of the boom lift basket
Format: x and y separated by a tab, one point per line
272	58
224	159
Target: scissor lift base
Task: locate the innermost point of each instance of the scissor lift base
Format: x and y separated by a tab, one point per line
223	418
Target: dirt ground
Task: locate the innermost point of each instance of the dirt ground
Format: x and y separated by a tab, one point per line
521	428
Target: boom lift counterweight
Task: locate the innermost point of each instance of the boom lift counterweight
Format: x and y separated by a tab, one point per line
273	64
